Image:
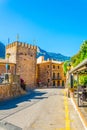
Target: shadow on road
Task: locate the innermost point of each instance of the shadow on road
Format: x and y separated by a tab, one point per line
13	103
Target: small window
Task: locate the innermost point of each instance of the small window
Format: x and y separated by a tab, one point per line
47	72
58	67
58	83
62	82
53	75
58	75
48	66
53	66
53	83
48	80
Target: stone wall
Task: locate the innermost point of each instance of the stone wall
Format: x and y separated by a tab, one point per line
12	50
25	57
3	69
8	91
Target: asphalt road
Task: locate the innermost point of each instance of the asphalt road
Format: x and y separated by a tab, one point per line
42	109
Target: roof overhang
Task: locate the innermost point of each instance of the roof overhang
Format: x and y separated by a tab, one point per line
80	67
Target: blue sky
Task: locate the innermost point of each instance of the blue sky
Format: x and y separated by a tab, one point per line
55	25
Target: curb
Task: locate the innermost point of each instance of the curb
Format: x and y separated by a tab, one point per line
83	120
8	126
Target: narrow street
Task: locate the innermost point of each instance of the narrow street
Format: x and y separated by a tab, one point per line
42	109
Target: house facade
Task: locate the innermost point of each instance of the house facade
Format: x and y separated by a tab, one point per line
50	73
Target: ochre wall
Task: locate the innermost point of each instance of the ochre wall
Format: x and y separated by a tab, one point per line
45	72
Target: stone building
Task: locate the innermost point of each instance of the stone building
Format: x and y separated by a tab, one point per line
50	73
20	62
3	63
23	56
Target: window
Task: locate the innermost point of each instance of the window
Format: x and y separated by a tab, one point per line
53	66
62	82
53	75
58	83
58	75
48	80
48	66
53	83
58	67
47	72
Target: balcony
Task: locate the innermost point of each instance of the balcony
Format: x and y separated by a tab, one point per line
56	78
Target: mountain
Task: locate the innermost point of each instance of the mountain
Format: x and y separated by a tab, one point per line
2	50
50	55
40	52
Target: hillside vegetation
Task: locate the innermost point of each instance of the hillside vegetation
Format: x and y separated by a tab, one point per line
75	60
80	56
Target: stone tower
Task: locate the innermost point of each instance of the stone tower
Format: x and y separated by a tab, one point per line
24	56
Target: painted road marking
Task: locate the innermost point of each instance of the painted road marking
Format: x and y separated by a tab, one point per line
67	118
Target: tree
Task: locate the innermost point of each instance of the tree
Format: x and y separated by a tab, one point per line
75	60
81	55
83	51
83	80
78	58
66	66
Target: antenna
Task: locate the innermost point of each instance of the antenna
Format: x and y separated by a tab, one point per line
17	37
34	42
